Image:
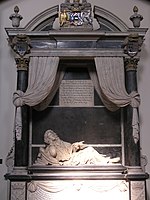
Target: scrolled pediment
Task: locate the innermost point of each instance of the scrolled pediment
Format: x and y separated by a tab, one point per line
43	19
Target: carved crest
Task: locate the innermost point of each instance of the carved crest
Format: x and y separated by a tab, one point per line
75	14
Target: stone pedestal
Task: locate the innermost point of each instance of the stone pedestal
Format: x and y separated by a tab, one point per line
79	183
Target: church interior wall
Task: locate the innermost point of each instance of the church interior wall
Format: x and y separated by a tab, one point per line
29	9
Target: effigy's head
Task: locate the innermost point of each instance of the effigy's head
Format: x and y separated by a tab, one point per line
49	136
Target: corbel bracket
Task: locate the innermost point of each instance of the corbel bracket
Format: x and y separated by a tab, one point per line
132	44
21	44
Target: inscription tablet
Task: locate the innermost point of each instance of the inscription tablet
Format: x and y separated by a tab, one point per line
76	93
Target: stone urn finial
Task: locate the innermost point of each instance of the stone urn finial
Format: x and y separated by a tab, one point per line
16	18
136	18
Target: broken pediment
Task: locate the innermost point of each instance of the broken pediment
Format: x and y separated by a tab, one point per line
73	15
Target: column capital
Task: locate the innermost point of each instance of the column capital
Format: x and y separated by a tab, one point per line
131	63
22	63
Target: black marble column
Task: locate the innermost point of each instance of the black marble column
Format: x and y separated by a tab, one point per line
21	146
132	149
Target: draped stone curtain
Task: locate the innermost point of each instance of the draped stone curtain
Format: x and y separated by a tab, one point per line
44	80
42	76
45	103
110	85
62	186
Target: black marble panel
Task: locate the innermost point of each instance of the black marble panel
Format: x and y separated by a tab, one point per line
41	44
94	125
76	73
76	44
35	152
52	43
108	44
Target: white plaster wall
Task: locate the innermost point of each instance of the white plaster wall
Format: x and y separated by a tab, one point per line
29	9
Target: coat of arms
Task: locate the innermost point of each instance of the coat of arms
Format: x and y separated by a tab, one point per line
75	14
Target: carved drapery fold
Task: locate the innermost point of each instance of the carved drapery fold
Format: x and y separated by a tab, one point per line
42	75
110	72
51	186
109	82
44	104
111	88
77	189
